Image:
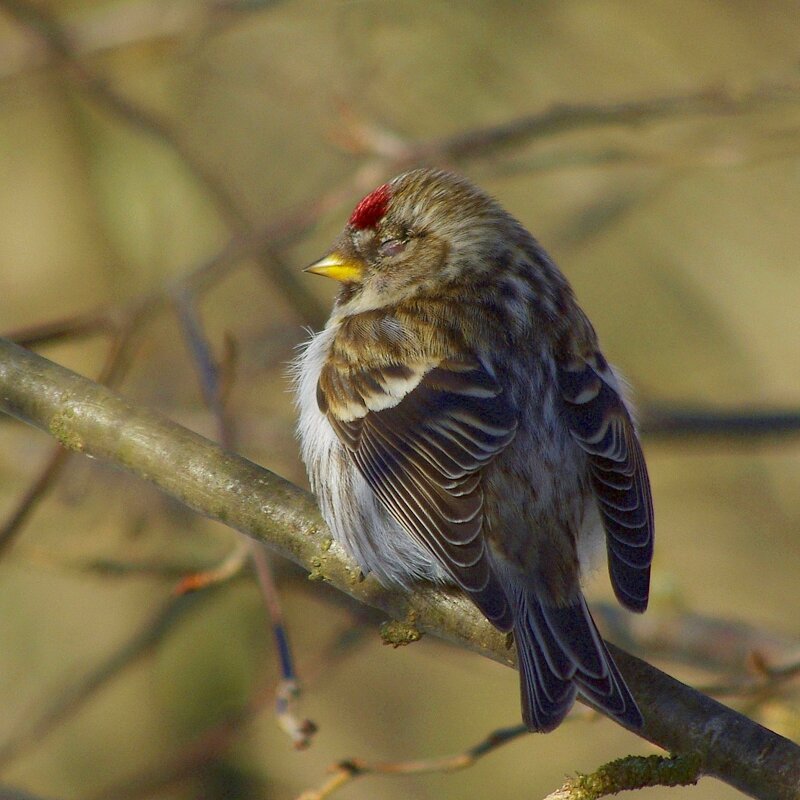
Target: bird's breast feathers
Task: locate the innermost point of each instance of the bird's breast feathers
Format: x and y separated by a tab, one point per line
358	521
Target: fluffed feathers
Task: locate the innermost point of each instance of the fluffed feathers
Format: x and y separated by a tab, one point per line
459	423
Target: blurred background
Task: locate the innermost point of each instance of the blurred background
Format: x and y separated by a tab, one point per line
166	170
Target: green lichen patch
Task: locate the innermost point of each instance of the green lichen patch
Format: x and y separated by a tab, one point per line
399	634
61	427
316	570
635	772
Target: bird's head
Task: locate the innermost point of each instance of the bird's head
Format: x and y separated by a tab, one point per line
419	233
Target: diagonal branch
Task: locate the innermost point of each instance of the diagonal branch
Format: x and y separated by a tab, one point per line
562	118
88	418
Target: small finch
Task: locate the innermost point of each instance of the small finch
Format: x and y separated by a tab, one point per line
459	424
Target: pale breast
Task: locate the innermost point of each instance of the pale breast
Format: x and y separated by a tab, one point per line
357	520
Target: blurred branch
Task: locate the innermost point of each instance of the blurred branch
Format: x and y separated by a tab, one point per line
206	367
150	634
52	33
209	375
91	419
111	567
88	324
697	639
37	490
367	138
198	278
55	37
561	118
8	793
109	27
766	679
676	422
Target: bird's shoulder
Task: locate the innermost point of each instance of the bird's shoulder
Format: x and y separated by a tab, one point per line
376	358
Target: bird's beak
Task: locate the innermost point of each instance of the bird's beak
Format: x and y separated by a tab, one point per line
341	268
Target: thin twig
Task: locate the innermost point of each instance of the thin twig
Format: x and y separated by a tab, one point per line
225	570
209	374
347	771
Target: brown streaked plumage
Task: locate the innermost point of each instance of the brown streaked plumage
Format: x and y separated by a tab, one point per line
460	424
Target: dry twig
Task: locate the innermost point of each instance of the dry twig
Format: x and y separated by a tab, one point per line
347	771
209	373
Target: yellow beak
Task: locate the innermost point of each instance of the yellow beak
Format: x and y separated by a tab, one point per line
338	267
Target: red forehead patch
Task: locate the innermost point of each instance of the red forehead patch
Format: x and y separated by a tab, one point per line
371	210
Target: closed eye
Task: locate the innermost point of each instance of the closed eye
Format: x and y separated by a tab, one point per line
391	247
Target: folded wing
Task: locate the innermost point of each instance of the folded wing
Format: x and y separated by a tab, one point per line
421	437
601	425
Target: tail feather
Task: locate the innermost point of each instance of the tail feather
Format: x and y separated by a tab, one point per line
546	697
574	631
561	653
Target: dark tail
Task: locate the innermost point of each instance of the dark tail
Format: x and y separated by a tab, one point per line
561	653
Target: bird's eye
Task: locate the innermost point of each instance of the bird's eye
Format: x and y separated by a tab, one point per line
391	247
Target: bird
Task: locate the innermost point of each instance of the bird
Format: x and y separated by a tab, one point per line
460	425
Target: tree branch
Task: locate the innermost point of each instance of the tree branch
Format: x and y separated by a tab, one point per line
698	424
88	418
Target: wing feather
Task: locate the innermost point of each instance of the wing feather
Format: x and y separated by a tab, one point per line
601	425
422	455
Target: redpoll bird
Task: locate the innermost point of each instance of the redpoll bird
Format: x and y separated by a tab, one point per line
460	424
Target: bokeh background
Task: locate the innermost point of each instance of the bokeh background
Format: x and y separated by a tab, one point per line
159	150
